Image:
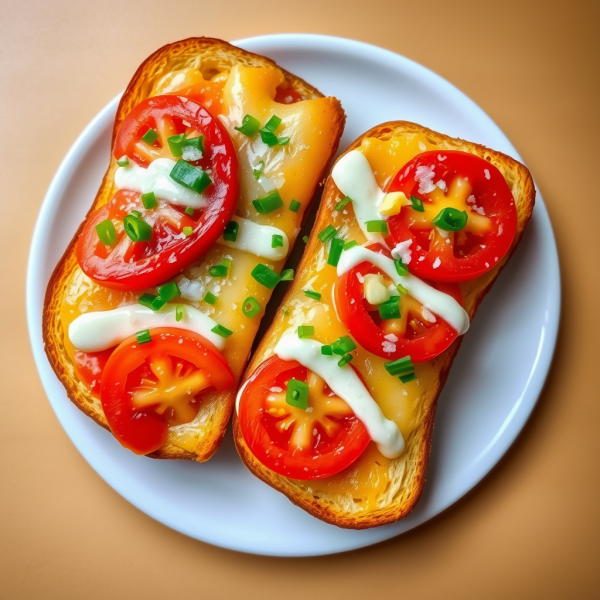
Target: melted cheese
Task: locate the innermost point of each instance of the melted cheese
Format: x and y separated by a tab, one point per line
297	165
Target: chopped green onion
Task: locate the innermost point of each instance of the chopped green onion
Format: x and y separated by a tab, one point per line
350	244
222	331
227	262
376	226
451	219
210	298
269	203
407	378
187	231
143	337
305	331
345	360
340	205
297	393
106	232
190	176
312	294
277	241
150	136
287	275
273	123
265	276
176	144
149	200
417	204
231	231
179	312
258	173
251	307
195	142
390	309
137	229
168	291
249	125
335	251
401	366
123	161
268	137
305	239
343	345
327	350
136	213
285	310
295	206
401	289
327	233
401	268
283	141
151	301
189	211
218	271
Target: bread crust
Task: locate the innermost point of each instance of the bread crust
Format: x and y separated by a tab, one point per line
210	56
328	507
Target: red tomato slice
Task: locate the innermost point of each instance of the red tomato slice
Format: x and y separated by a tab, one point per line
130	265
416	334
89	367
147	387
468	183
292	441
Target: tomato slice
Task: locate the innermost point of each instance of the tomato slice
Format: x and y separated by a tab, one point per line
129	265
89	366
467	183
417	333
292	441
145	388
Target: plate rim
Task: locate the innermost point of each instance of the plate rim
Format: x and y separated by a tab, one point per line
35	290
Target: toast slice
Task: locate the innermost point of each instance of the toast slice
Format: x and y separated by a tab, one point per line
212	57
387	490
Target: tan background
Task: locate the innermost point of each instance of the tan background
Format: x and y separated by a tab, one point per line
530	529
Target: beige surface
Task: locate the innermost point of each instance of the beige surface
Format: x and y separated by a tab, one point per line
529	530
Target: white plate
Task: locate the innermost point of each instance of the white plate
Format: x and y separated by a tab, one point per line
494	384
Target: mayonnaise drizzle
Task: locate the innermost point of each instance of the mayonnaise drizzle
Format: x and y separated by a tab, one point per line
156	178
344	382
354	178
257	239
95	331
440	304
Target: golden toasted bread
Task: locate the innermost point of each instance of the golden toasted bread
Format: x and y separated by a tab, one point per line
212	58
376	491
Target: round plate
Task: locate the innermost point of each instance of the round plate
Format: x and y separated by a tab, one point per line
493	386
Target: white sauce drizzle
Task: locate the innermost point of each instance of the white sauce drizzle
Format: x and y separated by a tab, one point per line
440	304
100	330
156	178
347	385
354	178
257	239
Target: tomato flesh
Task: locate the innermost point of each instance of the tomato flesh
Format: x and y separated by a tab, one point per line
89	367
292	441
129	265
145	388
467	183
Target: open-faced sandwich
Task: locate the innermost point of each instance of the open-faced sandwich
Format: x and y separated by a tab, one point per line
151	313
337	406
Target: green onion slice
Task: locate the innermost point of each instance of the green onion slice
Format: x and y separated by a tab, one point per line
401	366
305	331
401	268
345	360
106	232
269	203
227	262
376	226
407	378
335	251
312	294
150	136
326	350
218	271
268	137
149	200
343	345
273	123
287	275
350	244
168	291
190	176
342	203
295	206
187	231
417	204
151	301
222	331
390	309
137	229
277	241
176	144
283	141
249	125
143	337
210	298
401	289
190	211
251	307
297	393
305	239
123	161
179	312
451	219
265	276
327	233
231	231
